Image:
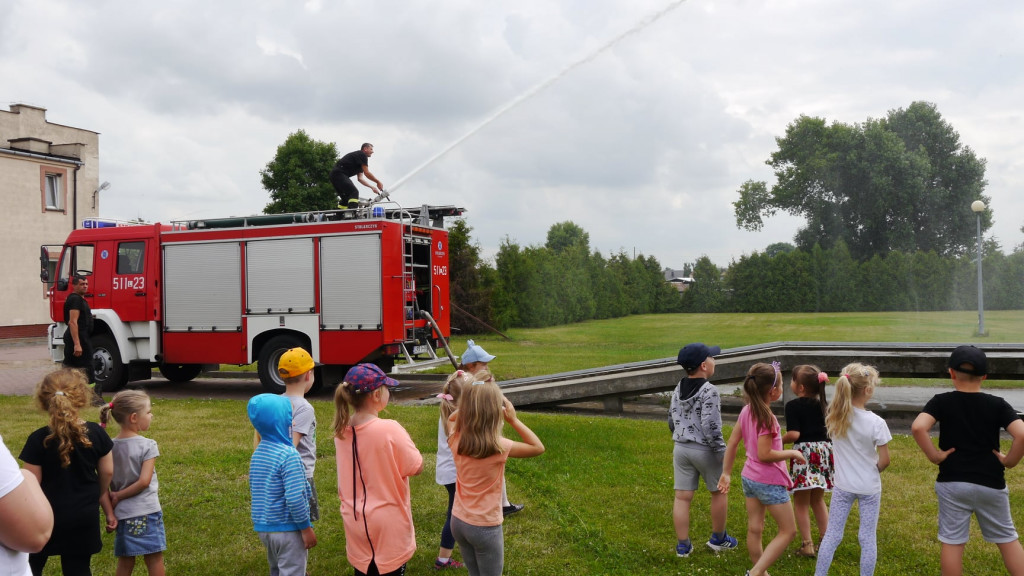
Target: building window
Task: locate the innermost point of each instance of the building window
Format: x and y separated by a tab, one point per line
53	192
54	184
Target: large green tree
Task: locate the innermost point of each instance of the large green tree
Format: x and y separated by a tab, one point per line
297	177
904	182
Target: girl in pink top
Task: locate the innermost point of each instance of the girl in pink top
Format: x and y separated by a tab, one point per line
765	478
375	458
480	453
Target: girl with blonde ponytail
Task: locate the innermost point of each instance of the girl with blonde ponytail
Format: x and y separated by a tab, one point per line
72	460
860	447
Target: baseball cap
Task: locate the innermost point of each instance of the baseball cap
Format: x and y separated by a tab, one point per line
368	377
475	353
977	364
691	355
295	362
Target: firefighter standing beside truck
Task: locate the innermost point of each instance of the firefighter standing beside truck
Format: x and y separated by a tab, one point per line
353	164
78	317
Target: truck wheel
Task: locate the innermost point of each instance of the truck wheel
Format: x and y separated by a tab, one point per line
270	355
180	373
111	375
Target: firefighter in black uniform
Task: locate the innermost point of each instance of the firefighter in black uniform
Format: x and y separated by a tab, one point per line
78	317
353	164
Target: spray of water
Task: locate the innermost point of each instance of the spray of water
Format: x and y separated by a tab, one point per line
651	19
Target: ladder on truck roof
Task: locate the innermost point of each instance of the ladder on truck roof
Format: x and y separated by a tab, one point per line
426	216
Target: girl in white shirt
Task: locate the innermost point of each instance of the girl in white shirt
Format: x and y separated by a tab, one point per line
860	447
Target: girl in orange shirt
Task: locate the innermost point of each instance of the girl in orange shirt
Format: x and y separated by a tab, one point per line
375	458
480	452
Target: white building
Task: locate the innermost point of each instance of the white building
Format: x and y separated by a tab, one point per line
49	176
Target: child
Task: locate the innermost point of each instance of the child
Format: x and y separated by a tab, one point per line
72	461
860	441
765	479
805	428
970	464
133	491
695	419
480	452
475	359
26	520
296	369
444	472
278	488
375	458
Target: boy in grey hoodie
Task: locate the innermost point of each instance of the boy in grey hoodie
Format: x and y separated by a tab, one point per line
695	419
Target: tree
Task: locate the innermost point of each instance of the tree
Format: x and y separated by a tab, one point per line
904	183
297	177
565	235
471	281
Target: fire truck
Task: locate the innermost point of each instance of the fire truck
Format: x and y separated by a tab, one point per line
350	286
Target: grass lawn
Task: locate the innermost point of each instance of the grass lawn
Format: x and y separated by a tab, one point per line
532	352
597	502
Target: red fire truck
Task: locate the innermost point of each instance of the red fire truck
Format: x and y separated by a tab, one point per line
350	286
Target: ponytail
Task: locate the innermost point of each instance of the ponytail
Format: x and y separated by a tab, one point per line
760	380
62	394
452	391
856	379
813	380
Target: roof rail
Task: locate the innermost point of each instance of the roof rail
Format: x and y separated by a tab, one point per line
368	210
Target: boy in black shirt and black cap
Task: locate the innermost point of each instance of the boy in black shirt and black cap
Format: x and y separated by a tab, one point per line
971	466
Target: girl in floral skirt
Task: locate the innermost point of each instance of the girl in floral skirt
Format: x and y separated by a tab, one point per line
805	428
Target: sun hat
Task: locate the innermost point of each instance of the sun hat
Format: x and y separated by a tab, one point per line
969	360
295	362
691	355
368	377
475	353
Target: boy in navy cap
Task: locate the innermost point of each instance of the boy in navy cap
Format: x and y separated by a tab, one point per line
695	419
971	466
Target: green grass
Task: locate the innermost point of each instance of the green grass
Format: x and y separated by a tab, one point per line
532	352
598	501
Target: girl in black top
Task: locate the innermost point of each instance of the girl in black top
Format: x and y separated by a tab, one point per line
72	460
805	428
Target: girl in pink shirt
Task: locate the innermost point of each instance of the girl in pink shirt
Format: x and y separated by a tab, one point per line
480	452
375	458
765	478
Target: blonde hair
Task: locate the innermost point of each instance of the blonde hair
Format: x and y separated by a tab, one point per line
809	377
62	394
856	379
124	404
453	387
479	420
760	381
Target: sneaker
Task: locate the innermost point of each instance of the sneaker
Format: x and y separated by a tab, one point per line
725	543
451	563
683	549
511	509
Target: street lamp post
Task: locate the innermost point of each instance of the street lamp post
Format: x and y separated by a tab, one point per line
978	207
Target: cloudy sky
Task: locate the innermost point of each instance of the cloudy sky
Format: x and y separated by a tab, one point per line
642	144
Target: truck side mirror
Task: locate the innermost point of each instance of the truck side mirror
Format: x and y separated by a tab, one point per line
44	264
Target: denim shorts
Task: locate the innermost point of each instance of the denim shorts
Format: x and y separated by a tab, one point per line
767	494
140	535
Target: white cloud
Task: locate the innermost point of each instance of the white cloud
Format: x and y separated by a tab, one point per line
644	146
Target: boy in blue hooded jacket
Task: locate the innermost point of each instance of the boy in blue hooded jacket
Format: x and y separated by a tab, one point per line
278	488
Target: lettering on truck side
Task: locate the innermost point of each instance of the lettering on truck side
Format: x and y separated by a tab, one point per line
129	282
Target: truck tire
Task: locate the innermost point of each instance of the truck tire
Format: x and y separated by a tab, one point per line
111	375
180	373
270	355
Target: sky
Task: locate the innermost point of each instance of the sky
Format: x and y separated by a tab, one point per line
638	120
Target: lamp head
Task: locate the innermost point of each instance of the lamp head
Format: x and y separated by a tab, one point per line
978	206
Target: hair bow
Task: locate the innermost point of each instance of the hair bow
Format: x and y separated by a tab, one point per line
822	378
447	397
58	393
